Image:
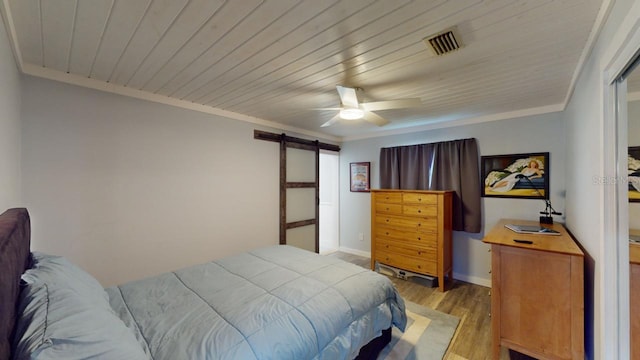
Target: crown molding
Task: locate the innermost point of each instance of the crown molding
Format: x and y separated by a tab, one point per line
11	32
461	122
56	75
601	19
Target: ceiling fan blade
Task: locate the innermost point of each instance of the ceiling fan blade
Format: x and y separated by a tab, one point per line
347	96
375	118
391	104
332	121
334	108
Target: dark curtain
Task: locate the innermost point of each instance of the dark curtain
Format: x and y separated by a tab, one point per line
448	165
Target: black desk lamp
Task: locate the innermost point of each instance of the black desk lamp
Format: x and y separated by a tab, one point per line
549	210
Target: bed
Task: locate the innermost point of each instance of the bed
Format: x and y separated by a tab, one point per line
276	302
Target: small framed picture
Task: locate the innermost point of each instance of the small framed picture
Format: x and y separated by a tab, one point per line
359	176
524	176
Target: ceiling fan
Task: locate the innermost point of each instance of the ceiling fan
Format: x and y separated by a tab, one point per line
351	109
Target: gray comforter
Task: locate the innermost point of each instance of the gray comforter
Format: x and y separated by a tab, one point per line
272	303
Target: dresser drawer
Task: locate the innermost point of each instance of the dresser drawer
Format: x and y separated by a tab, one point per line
419	198
390	197
420	210
410	263
412	237
425	225
399	247
389	208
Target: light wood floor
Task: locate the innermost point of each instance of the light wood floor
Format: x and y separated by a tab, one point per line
469	302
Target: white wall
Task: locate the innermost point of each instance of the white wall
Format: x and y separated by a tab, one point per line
127	188
9	125
584	202
471	260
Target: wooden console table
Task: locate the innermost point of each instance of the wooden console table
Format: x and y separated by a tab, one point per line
537	292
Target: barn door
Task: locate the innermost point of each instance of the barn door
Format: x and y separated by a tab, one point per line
299	188
299	194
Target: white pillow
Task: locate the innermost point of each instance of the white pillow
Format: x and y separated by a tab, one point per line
64	314
59	272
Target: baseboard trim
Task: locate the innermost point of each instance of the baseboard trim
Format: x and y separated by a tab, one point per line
328	251
472	279
355	251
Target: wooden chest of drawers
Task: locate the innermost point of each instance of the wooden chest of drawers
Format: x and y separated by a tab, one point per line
537	292
411	230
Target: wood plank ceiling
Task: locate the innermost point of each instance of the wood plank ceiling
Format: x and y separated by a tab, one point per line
279	60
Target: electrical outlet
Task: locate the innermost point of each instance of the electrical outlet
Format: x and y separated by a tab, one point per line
361	236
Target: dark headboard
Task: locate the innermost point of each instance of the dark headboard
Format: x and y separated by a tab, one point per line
15	258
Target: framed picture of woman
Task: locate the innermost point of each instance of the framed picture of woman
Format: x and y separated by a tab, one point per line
516	176
359	176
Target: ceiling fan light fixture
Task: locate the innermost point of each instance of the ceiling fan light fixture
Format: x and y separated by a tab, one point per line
351	113
351	109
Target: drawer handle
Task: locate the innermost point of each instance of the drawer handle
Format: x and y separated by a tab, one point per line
387	246
419	211
387	220
387	233
419	252
419	238
419	267
419	199
419	224
387	209
387	258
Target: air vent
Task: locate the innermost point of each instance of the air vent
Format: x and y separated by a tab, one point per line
443	43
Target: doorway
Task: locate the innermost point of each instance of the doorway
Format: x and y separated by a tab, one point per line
329	202
633	188
615	326
299	188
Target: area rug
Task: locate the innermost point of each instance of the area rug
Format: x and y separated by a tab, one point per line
426	337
